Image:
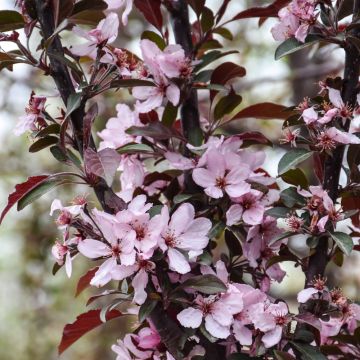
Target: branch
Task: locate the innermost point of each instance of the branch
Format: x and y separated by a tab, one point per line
190	118
333	163
59	72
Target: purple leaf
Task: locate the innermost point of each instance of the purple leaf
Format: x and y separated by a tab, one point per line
103	163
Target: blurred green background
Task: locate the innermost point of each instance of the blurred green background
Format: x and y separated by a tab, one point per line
34	304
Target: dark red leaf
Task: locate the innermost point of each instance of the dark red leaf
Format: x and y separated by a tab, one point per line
149	117
352	203
84	281
151	11
82	325
224	73
255	137
88	122
263	111
21	190
103	163
197	6
262	12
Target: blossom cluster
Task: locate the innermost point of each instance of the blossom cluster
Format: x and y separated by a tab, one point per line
199	232
295	20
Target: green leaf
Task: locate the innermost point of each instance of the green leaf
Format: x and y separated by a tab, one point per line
343	241
38	191
308	352
212	56
296	177
224	32
291	45
73	103
146	309
84	5
155	38
278	212
207	19
207	284
216	230
43	143
178	199
58	153
227	105
135	149
155	210
282	355
10	20
281	237
51	129
290	197
292	158
281	258
169	115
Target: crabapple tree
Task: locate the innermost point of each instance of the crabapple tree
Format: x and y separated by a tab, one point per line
192	233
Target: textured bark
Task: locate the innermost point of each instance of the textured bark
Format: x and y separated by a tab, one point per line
59	72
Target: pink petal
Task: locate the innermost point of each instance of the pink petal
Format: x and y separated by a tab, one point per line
178	262
272	337
190	318
215	329
304	295
204	177
182	218
173	94
254	215
103	275
214	192
93	248
242	334
234	214
139	284
238	189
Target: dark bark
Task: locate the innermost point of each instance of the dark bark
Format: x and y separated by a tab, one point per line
59	72
190	118
333	163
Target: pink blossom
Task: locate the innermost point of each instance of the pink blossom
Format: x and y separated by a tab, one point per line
183	232
173	62
218	313
222	175
341	136
306	294
114	135
318	198
34	115
295	20
132	177
152	97
179	161
147	231
67	213
221	271
61	252
105	33
310	115
253	301
248	207
117	246
117	4
272	321
287	26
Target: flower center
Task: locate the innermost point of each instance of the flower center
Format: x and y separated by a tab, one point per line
221	182
170	239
